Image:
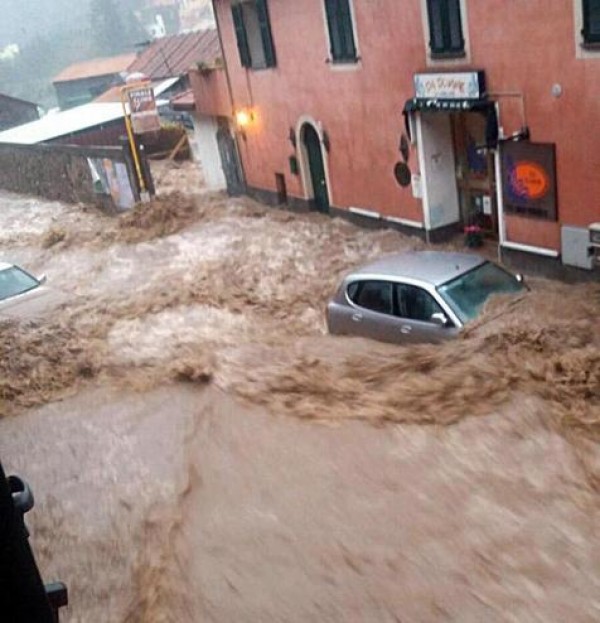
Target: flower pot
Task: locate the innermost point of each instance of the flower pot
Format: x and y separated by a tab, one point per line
473	237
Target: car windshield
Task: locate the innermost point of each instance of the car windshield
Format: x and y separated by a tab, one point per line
15	281
467	294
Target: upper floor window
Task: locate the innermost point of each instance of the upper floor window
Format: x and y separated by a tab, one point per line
341	31
445	28
591	21
253	34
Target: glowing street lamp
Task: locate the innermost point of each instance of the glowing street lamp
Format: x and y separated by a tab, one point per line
244	118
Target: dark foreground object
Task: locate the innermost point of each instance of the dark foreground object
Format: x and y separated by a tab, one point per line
23	596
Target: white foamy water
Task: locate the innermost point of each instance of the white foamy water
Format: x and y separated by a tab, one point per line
161	336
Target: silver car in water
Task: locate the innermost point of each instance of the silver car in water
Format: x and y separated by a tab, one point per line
425	296
23	296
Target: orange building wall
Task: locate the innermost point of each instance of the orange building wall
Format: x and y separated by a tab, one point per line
360	108
211	94
523	47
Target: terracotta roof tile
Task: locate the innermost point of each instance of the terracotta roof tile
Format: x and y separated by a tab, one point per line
96	67
175	55
184	101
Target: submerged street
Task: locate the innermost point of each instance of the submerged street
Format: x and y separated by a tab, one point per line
201	450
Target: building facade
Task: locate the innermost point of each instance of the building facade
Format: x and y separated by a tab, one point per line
431	115
84	81
15	112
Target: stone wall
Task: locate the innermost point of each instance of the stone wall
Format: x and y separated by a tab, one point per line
63	173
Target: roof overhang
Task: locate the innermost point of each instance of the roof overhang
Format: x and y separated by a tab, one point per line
62	123
483	106
447	105
184	101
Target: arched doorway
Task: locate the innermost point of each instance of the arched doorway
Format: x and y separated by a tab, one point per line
314	167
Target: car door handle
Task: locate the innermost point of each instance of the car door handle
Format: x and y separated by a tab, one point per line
405	328
357	317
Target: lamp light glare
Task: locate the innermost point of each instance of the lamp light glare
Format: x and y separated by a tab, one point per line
243	118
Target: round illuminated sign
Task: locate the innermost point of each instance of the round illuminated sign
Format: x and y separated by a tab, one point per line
530	180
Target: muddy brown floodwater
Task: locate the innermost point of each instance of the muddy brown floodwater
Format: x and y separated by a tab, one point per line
201	450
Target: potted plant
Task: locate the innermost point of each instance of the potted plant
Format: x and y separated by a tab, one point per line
473	236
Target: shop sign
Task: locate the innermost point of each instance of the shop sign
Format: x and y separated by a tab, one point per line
144	115
529	179
452	86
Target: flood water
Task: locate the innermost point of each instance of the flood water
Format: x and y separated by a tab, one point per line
201	450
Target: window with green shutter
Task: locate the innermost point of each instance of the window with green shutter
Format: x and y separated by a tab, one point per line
445	28
591	21
341	31
253	34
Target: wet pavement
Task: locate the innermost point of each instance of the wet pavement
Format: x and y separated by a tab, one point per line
211	455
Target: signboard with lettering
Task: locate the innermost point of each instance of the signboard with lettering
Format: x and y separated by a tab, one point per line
529	179
142	106
453	86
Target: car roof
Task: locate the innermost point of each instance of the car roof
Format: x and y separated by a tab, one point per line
5	265
433	267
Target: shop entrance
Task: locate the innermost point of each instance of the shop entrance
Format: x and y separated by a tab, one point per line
475	172
458	172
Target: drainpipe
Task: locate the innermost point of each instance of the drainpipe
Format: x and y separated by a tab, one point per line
500	203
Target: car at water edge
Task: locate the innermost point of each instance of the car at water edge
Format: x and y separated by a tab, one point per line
421	296
23	296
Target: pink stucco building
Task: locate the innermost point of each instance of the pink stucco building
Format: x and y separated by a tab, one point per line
428	115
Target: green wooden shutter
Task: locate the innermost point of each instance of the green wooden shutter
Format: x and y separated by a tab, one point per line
445	26
341	33
591	21
345	20
456	42
240	34
332	24
265	32
436	25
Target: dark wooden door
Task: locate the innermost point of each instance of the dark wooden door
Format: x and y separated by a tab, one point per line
230	160
316	167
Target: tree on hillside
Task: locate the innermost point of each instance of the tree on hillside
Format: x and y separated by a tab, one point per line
115	28
30	74
131	11
107	26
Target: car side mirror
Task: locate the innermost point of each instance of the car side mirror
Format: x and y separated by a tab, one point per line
42	279
439	319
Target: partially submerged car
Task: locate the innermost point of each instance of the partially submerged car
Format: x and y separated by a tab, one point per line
22	295
425	296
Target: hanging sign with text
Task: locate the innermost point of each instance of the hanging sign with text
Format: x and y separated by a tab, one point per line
453	86
142	105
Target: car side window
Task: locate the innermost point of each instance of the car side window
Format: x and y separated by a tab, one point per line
415	303
373	295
